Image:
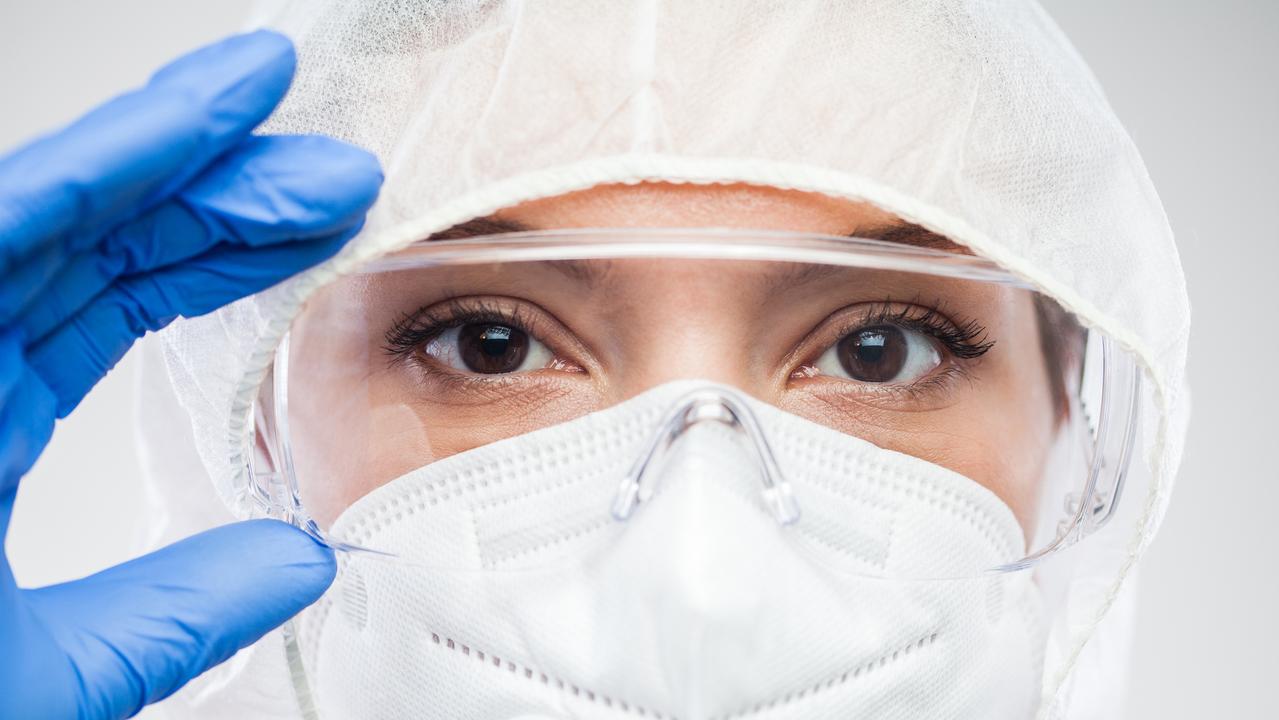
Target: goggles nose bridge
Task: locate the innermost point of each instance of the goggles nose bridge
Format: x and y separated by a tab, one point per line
706	404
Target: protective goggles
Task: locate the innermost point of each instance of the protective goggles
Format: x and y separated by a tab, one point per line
452	345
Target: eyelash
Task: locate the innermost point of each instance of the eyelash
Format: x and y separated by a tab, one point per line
963	339
418	327
966	340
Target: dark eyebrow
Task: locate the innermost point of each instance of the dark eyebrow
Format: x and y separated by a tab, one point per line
584	272
911	234
478	227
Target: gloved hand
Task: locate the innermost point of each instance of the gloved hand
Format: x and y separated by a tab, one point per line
158	204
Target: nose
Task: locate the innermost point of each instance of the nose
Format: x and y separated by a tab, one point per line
694	322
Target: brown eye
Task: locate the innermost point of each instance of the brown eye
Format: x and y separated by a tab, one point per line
492	349
488	349
880	354
873	355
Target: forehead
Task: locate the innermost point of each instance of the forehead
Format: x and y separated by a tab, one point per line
736	206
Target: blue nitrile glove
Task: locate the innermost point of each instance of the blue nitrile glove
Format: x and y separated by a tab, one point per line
158	204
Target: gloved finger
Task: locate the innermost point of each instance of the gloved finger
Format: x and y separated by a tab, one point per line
265	191
26	415
68	187
74	357
134	634
26	422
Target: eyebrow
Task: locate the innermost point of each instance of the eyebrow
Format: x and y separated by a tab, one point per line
478	227
903	233
911	234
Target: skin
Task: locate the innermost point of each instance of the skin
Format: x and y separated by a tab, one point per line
647	322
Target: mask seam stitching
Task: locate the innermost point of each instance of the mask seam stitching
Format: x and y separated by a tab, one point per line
574	534
836	680
954	505
534	675
942	498
377	519
794	696
908	483
419	499
820	539
493	503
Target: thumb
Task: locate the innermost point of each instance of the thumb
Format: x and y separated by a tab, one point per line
137	632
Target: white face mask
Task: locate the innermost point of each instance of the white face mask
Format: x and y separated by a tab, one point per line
517	594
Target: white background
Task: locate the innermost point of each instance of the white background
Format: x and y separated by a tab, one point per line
1197	84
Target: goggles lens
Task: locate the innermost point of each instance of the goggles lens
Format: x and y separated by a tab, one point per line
451	346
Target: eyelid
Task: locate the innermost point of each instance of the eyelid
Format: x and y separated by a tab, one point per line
412	329
429	321
963	339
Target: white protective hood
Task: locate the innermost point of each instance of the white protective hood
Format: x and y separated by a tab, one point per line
976	120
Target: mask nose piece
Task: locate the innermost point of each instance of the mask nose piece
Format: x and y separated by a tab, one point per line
708	404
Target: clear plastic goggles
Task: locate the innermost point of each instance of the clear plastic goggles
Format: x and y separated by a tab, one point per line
449	346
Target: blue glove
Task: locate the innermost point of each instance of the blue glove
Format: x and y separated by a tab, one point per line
156	205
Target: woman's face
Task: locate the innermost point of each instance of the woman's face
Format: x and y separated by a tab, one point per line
946	370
